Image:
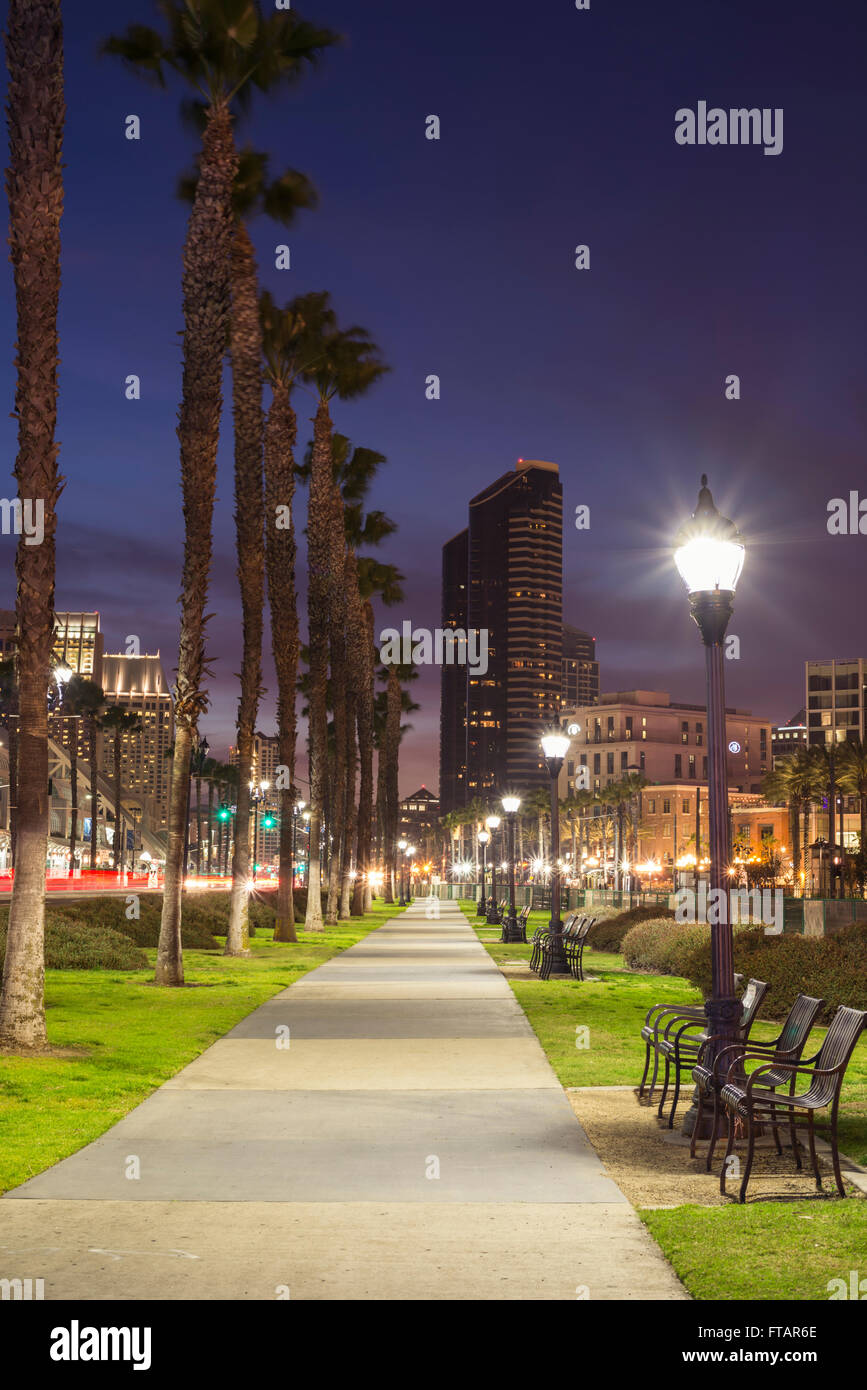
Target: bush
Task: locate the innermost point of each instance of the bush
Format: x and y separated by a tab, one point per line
662	946
71	945
109	913
608	934
833	968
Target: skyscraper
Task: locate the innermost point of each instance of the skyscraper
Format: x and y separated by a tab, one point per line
139	685
579	683
510	562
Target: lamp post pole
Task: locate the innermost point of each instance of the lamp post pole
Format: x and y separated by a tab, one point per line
555	746
709	554
484	837
492	824
402	844
510	927
410	851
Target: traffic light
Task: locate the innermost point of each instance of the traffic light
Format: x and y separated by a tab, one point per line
268	822
224	813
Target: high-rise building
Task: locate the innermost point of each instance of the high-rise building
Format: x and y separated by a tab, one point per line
836	700
513	595
579	683
419	822
138	684
453	678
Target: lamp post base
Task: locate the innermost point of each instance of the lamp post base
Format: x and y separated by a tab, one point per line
481	909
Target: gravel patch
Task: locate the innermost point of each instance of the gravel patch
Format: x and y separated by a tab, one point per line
652	1167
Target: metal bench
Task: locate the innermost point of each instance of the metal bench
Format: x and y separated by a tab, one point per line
650	1032
575	946
539	936
519	932
571	929
680	1048
756	1100
788	1047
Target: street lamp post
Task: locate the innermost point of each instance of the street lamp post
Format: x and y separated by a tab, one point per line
257	794
402	845
484	837
410	851
296	812
555	746
510	927
709	555
493	823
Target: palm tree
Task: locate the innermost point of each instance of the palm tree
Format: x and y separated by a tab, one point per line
284	346
221	49
9	721
120	722
281	200
34	183
83	699
792	782
345	365
852	779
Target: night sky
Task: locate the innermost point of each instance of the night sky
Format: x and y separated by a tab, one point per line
458	256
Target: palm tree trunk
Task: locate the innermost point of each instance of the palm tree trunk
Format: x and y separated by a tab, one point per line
361	629
117	847
13	785
73	797
198	827
34	182
340	706
392	755
350	818
207	304
210	864
246	358
94	793
320	606
280	436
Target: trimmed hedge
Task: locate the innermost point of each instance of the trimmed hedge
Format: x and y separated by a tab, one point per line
833	968
109	913
608	934
73	945
661	946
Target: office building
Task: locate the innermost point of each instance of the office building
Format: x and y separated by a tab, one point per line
579	682
510	562
836	700
138	684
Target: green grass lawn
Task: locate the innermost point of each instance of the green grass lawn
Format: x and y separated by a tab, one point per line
133	1037
764	1250
783	1250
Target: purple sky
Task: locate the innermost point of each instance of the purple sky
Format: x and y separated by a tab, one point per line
557	129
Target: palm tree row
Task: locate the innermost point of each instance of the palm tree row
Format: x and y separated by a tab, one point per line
804	779
222	52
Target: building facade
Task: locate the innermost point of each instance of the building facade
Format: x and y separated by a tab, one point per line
646	731
418	822
513	577
836	700
788	738
579	681
138	684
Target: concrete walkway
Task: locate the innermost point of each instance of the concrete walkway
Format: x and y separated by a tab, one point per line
388	1127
